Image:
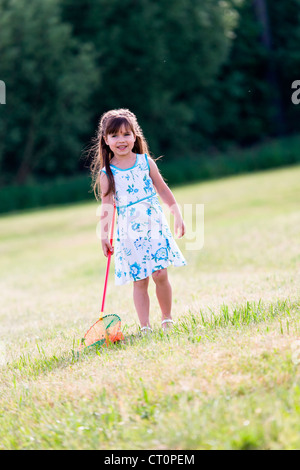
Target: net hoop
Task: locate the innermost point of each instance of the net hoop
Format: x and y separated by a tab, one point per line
103	332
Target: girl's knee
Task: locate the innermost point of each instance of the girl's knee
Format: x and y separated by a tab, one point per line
141	284
161	275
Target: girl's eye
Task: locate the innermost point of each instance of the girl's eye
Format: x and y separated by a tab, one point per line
115	135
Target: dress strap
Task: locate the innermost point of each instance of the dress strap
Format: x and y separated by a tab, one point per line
146	158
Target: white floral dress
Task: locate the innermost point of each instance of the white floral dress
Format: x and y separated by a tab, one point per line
144	242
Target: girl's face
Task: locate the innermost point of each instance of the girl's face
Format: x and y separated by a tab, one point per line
121	142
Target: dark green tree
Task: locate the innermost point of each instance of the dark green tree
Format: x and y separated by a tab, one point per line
284	20
49	77
159	59
252	100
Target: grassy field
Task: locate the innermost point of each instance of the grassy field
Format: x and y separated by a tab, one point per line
227	377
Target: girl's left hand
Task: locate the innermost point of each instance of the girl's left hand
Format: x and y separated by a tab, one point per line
179	227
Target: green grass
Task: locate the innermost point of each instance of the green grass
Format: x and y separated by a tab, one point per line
227	377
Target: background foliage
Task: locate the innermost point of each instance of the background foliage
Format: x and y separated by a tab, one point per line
207	79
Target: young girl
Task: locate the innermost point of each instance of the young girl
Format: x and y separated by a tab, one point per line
125	175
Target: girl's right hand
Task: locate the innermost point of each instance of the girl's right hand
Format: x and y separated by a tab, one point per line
106	247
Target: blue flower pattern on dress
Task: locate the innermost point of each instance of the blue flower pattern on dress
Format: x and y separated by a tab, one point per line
132	189
144	242
160	254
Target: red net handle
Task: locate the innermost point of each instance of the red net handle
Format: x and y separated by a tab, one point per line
108	261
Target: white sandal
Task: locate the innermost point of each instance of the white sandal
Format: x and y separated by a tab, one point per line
168	320
146	330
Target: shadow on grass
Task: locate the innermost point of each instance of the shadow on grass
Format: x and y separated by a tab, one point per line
192	327
32	365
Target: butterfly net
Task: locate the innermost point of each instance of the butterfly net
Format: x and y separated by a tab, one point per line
105	331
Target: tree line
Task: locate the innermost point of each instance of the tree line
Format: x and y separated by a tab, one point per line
201	76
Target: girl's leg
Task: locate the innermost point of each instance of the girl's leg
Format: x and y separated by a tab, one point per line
163	293
142	301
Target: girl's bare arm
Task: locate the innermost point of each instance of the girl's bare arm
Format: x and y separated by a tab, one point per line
106	215
167	197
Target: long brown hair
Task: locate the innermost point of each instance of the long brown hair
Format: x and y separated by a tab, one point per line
110	123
